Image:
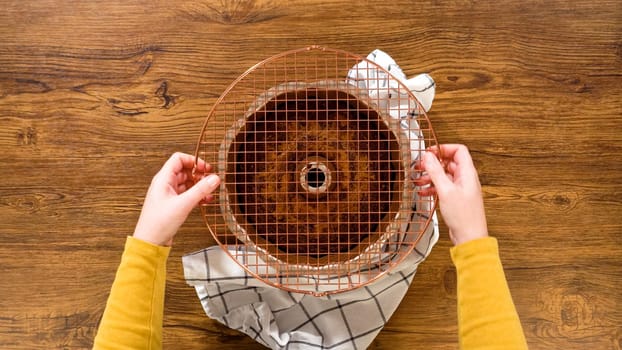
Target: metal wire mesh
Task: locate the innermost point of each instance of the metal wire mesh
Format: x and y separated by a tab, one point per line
316	149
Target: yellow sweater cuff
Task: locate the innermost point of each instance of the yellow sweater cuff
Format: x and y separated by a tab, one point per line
143	248
464	252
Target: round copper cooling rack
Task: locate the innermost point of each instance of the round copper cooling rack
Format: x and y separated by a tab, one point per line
316	149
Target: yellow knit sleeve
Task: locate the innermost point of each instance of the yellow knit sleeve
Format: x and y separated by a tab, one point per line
487	318
134	311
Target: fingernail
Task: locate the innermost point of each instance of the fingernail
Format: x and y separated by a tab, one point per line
213	180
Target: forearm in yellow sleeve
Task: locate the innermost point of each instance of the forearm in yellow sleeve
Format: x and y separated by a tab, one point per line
134	311
487	318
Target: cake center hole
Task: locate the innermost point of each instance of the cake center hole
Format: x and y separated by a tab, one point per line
316	178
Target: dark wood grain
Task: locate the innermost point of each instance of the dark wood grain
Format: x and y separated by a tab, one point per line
95	96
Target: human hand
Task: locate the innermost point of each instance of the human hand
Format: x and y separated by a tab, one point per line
171	197
458	189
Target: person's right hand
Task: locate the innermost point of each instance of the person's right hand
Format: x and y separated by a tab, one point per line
458	189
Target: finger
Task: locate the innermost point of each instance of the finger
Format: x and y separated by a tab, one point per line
182	188
181	177
436	172
423	180
433	149
460	156
418	165
428	191
452	167
463	159
199	191
173	179
207	199
203	167
177	162
446	148
448	151
416	171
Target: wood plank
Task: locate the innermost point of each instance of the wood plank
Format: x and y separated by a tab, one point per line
94	97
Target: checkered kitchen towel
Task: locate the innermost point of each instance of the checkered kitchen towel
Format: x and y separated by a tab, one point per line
286	320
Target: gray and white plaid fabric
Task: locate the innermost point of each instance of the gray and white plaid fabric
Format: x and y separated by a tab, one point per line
286	320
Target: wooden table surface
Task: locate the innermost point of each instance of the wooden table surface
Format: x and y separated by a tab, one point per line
94	96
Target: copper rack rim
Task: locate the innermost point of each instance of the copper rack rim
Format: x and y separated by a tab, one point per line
405	247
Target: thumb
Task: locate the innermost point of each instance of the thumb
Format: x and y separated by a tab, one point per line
199	191
434	168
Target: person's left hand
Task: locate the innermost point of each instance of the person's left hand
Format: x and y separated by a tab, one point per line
171	197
